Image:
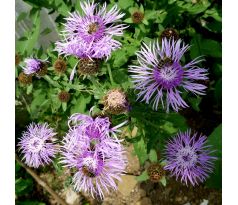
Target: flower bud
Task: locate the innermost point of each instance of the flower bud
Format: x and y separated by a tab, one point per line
60	66
115	102
88	66
64	96
170	33
137	17
155	172
25	79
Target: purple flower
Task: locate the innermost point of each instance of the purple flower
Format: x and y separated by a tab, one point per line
160	76
97	156
36	144
32	66
91	35
189	158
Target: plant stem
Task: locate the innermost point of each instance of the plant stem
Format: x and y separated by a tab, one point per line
110	74
41	182
49	80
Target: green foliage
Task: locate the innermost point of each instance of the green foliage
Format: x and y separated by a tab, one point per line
143	177
215	139
153	156
198	24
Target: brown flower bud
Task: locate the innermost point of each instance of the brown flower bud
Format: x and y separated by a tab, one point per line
155	172
25	79
170	33
115	102
137	17
60	66
64	96
88	66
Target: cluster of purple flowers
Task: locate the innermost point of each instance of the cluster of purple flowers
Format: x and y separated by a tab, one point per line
91	146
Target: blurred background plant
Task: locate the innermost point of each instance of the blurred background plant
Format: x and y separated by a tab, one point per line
53	98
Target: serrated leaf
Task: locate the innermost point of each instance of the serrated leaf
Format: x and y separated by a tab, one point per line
141	151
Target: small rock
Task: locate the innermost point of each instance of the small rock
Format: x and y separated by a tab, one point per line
144	201
71	197
133	165
127	184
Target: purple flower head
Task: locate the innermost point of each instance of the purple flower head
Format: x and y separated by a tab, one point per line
32	66
160	76
96	134
98	157
189	158
91	35
36	144
96	174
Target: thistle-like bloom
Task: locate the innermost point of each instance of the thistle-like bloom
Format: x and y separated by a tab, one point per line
33	66
97	156
91	35
115	102
189	158
37	145
161	77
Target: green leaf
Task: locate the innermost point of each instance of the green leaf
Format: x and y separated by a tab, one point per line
215	139
32	40
163	181
153	156
79	104
194	8
119	58
62	7
64	106
21	16
29	89
143	177
128	20
195	102
125	4
214	13
29	202
46	31
141	151
205	47
22	186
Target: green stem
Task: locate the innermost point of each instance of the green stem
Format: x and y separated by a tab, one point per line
49	80
110	74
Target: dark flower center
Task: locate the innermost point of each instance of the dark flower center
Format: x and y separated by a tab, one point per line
168	74
92	28
170	33
137	17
